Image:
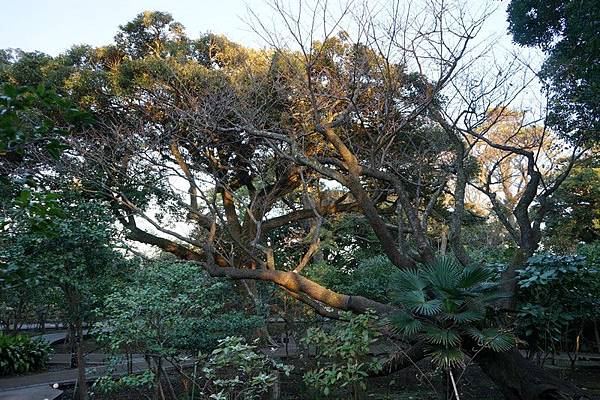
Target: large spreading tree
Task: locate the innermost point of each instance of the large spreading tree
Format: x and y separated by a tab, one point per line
209	150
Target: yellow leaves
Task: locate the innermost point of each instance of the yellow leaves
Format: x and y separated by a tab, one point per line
147	18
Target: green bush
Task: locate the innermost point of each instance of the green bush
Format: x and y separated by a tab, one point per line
369	278
20	354
558	299
237	370
342	354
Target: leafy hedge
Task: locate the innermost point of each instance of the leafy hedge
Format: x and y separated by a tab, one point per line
20	354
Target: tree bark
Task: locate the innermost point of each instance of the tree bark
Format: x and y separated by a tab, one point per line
82	387
158	393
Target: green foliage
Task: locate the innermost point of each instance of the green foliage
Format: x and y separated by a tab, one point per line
170	307
568	32
557	293
70	252
342	354
148	34
20	354
35	119
107	384
235	370
575	215
34	123
446	305
369	278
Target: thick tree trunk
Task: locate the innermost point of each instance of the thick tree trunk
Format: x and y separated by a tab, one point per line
509	284
520	379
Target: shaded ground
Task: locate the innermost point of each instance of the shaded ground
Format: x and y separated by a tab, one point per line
89	346
408	384
412	383
423	383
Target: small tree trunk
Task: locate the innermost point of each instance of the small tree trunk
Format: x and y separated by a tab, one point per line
169	385
157	377
597	335
444	243
275	390
82	388
577	347
72	345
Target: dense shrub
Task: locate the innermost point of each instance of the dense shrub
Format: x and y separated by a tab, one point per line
559	300
20	354
237	370
170	310
342	354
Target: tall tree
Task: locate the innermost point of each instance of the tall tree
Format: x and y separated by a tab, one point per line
237	143
569	33
575	215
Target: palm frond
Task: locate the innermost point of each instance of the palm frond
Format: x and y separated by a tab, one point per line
441	336
447	357
428	308
474	276
408	280
443	273
483	300
417	302
495	339
405	324
411	298
464	316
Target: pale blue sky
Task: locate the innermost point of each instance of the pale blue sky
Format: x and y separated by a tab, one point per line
52	26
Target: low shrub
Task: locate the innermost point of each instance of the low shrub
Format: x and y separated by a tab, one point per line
20	354
342	354
236	370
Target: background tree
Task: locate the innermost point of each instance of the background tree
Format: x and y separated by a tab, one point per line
568	33
72	254
575	217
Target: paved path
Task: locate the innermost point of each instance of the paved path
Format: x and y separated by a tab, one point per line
56	337
65	376
90	359
47	325
52	338
40	392
69	377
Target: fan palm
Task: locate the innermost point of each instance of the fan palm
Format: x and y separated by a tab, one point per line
446	305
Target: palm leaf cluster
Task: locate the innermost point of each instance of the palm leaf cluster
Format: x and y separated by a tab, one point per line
446	305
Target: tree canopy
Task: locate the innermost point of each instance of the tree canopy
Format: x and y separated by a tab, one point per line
568	32
325	166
